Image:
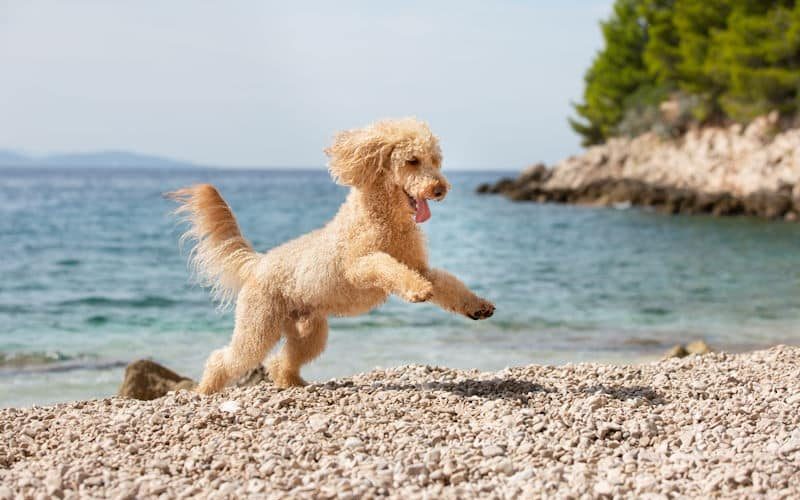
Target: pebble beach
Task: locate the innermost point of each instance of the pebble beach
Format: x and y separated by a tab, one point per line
718	425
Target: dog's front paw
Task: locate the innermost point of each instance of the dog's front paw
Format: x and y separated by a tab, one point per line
420	293
481	309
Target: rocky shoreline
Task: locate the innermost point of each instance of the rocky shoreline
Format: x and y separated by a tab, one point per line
717	425
722	171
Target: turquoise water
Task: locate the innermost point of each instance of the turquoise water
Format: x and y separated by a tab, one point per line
91	277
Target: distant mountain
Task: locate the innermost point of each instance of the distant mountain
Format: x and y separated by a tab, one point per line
122	159
11	158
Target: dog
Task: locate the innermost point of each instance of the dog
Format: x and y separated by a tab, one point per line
372	247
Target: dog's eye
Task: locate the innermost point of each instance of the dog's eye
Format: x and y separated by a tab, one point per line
413	161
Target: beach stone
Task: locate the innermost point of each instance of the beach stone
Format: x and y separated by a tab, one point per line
281	401
697	347
433	456
318	423
353	442
492	451
505	467
415	469
677	351
147	380
603	488
230	406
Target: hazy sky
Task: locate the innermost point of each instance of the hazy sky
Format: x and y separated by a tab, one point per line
256	83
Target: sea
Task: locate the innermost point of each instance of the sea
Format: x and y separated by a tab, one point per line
92	277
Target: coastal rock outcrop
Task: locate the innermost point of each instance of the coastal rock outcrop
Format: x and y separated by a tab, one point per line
735	170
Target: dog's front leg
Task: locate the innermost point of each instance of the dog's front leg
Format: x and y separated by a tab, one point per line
381	270
451	294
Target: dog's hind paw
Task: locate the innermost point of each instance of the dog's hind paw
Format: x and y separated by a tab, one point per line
484	310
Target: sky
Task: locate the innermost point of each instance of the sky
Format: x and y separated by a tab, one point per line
267	84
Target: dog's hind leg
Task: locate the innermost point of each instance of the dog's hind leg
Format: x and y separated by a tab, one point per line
255	333
305	340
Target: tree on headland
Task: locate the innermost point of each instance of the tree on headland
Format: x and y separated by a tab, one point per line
716	61
616	73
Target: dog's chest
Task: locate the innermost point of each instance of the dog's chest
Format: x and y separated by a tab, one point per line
408	248
360	301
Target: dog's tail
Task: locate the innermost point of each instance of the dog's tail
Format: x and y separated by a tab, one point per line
222	258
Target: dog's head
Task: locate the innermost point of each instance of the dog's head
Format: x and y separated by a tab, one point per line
401	157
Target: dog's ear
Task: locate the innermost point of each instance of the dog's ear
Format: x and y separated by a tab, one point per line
359	157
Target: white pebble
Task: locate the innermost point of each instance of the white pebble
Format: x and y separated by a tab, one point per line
230	406
353	442
492	451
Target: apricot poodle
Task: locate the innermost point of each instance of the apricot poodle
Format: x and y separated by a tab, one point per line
373	247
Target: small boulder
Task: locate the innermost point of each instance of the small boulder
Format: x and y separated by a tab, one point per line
697	347
146	380
677	351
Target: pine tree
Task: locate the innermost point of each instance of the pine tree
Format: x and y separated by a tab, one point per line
757	62
617	71
661	54
723	60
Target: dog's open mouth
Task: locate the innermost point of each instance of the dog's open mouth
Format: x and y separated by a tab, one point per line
419	205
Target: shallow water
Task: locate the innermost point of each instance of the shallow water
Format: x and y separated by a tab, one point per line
91	277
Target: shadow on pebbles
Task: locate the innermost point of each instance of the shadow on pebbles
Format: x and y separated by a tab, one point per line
718	425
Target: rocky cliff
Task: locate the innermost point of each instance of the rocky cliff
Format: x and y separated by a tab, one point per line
734	170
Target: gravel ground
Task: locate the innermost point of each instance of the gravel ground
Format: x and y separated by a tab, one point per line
718	425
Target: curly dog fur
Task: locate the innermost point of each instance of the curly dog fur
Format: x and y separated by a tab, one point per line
373	247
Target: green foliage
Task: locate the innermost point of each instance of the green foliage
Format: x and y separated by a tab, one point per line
714	60
616	72
661	53
757	60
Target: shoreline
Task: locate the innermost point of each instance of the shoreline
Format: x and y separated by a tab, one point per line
148	378
713	425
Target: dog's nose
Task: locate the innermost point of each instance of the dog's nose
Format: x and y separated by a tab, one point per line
439	191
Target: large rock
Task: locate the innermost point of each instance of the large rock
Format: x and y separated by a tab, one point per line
696	347
146	380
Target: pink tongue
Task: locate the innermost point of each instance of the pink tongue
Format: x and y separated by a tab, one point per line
423	211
